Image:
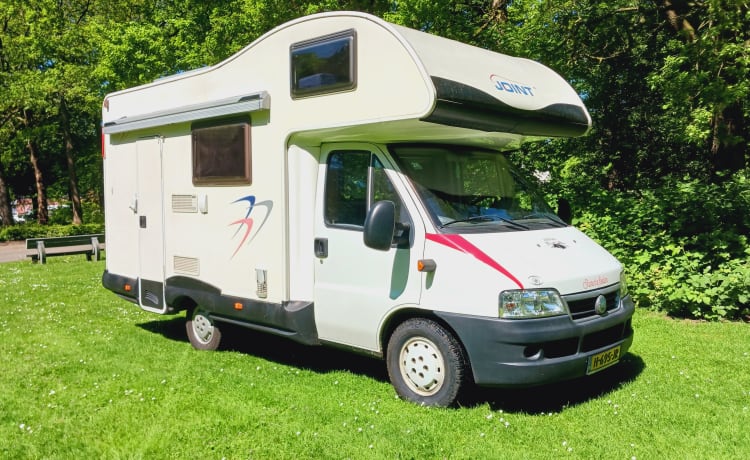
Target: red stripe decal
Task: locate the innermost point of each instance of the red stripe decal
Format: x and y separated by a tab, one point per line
460	243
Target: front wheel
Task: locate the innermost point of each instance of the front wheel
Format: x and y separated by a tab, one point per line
201	330
426	364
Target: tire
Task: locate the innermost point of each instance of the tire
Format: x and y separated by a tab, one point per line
426	364
201	330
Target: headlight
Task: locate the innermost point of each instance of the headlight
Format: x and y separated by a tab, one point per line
623	284
531	304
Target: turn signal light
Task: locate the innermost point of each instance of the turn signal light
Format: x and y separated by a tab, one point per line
426	265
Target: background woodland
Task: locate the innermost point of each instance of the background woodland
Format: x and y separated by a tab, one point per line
661	180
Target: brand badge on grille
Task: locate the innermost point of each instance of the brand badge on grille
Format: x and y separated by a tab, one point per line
600	305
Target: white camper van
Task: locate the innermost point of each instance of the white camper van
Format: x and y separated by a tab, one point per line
344	181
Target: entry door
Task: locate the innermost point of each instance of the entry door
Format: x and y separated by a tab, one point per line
356	286
149	209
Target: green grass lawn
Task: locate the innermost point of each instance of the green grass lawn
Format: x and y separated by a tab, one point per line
87	375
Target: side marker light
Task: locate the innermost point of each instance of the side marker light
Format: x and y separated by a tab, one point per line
426	265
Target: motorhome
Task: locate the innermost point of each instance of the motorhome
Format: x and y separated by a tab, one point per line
347	182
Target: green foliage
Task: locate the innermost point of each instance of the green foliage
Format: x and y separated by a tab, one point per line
661	104
700	78
684	244
50	95
23	231
92	214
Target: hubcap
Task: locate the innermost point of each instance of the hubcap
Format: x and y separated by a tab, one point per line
202	327
422	366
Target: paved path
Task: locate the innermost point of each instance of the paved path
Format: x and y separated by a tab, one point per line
11	251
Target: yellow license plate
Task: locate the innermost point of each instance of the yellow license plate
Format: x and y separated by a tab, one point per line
604	359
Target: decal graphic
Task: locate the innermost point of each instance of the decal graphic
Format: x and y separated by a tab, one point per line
247	222
503	84
460	243
595	282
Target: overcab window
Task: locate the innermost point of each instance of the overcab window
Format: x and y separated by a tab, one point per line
323	65
221	153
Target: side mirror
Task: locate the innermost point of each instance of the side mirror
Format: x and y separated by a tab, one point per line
563	210
380	224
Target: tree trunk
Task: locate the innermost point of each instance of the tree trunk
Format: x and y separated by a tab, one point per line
42	215
6	214
497	14
75	197
678	21
728	144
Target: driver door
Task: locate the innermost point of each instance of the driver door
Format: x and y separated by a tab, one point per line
356	286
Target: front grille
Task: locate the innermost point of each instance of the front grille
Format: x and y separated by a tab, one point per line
589	342
604	338
584	307
560	348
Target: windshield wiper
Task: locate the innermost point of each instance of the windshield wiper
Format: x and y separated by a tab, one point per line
487	219
550	217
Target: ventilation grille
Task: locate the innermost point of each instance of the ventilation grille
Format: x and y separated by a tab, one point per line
186	266
184	203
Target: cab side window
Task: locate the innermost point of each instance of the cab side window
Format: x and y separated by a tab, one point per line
346	188
355	180
383	190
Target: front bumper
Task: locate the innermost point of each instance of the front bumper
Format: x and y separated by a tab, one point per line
538	351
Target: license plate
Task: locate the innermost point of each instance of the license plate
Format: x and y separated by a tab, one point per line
604	359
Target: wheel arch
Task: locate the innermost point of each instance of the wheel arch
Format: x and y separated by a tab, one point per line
183	302
184	293
399	316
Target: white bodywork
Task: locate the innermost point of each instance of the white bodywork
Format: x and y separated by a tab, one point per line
196	231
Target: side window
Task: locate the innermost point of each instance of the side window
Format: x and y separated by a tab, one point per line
383	190
221	152
346	188
355	180
323	65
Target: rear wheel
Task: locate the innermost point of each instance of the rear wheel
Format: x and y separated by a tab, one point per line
201	330
426	364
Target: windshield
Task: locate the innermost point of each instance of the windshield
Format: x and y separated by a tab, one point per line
473	190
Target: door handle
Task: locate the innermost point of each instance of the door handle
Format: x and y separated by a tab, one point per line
134	204
321	247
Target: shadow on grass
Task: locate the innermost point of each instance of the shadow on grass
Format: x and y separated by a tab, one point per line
278	349
534	400
172	328
558	396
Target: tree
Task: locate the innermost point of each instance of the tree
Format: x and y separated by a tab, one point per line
662	103
22	97
6	214
666	81
706	79
47	56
